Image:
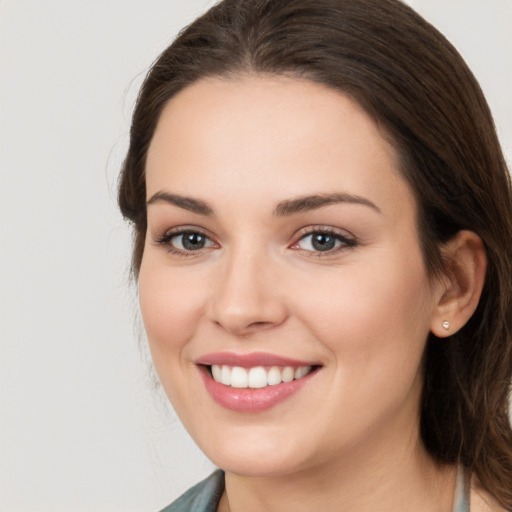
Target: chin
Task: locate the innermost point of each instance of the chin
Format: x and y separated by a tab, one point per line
252	452
261	465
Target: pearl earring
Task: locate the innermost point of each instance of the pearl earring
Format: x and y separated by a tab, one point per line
446	324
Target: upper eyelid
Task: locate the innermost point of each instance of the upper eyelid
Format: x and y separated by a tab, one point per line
308	230
179	230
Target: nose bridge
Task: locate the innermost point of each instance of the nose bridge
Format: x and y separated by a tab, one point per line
246	297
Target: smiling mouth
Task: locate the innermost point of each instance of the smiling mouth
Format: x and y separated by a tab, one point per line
255	387
257	377
254	382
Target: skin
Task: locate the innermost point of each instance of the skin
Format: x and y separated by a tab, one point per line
348	440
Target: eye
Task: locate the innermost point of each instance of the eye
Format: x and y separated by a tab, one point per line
190	241
323	241
183	242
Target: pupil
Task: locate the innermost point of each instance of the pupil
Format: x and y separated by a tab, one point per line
322	242
193	241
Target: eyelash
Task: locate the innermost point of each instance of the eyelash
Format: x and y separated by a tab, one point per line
345	242
166	238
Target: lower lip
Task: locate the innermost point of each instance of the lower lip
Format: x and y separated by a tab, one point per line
248	399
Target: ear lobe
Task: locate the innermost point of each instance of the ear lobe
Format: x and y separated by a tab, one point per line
461	285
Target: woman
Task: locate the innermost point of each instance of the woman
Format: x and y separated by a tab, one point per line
323	226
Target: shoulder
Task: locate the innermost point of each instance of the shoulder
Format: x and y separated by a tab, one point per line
203	497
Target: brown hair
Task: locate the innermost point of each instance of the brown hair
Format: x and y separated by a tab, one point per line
420	91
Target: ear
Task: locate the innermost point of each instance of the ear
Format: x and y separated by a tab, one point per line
461	284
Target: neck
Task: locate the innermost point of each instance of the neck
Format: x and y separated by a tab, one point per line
365	480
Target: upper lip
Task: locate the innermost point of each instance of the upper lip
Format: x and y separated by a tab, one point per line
251	360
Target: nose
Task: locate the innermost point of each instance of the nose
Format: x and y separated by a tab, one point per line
247	297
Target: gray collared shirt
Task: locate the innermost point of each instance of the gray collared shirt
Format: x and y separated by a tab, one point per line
205	496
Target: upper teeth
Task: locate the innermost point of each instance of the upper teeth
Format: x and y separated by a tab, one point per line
257	377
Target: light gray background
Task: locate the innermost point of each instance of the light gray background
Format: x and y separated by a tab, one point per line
80	427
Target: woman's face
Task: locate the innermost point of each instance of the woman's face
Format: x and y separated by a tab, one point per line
282	244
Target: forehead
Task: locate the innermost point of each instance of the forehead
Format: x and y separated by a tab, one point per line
276	135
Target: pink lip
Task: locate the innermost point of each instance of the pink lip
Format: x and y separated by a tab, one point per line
247	399
250	360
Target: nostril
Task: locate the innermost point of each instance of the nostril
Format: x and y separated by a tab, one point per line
259	324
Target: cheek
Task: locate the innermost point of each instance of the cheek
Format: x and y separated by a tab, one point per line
375	326
170	310
374	314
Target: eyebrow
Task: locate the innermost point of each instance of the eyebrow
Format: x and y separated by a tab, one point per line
187	203
283	209
307	203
